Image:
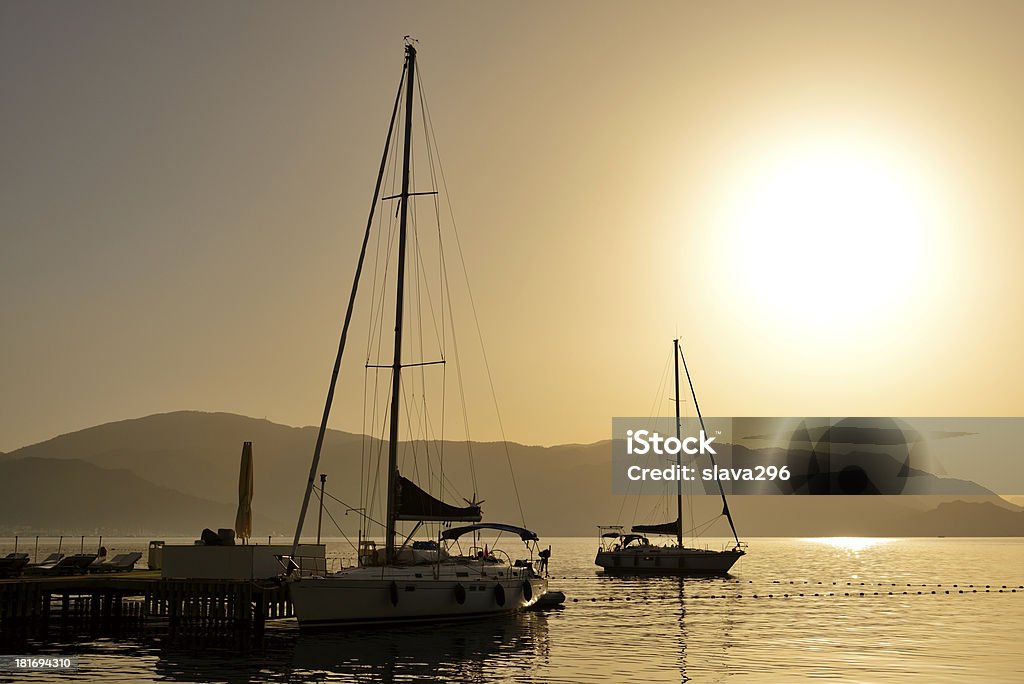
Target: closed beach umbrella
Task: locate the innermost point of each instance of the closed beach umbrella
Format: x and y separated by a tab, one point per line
243	519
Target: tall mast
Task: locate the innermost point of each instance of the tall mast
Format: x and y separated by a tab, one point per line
679	454
396	372
344	330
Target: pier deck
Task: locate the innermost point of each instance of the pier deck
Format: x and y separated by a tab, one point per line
140	596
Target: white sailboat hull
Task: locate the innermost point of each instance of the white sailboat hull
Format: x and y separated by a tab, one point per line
413	594
668	560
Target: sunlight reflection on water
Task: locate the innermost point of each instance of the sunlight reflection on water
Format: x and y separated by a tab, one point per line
851	544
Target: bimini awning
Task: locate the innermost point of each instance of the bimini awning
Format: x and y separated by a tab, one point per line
456	532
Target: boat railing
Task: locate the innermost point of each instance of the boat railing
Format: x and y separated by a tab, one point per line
503	554
308	566
609	537
488	554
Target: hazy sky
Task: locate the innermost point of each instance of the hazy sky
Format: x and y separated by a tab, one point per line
823	199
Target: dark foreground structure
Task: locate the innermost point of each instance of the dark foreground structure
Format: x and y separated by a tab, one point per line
33	605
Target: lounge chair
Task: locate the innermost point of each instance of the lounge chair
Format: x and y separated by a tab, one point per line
12	564
68	565
122	562
44	565
52	559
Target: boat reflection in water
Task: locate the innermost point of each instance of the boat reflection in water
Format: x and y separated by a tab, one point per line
486	650
483	649
689	634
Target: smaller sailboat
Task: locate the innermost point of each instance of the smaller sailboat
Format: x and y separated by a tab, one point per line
634	553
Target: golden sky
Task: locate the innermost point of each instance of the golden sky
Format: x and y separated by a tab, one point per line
822	199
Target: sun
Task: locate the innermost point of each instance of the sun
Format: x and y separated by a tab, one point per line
836	231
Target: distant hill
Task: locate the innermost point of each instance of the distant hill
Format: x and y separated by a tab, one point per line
71	496
963	518
186	463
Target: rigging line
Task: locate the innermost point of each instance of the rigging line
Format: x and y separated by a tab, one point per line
451	318
377	312
431	145
425	429
414	325
697	530
721	489
654	403
379	322
379	336
462	390
424	285
410	445
458	374
449	486
451	489
423	370
442	276
380	453
419	284
437	212
661	389
393	159
655	513
370	341
691	515
364	460
479	332
344	329
328	512
430	300
370	427
440	438
444	400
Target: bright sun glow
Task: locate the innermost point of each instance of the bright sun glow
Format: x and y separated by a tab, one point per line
836	231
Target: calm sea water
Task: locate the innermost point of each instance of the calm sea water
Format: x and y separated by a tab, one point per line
661	629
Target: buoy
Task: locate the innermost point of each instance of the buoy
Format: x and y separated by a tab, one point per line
393	593
460	593
527	590
499	594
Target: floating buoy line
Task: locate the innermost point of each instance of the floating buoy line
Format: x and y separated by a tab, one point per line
831	594
889	589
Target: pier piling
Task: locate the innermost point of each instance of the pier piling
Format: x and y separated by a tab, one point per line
196	607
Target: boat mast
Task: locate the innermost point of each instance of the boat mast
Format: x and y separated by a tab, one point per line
344	330
679	454
396	372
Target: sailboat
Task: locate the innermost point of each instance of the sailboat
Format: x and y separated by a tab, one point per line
412	581
633	553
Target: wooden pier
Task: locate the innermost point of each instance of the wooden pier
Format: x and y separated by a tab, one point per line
137	598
